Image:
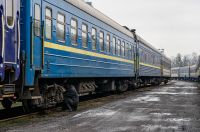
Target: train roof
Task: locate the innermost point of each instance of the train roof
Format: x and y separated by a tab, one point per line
140	39
99	15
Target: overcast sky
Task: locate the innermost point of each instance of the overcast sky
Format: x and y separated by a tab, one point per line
173	25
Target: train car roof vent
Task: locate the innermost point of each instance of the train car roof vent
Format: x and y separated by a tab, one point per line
133	30
126	28
88	2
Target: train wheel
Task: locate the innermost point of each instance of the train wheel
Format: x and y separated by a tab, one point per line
122	86
7	103
28	106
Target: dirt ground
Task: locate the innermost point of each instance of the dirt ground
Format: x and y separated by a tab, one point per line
174	107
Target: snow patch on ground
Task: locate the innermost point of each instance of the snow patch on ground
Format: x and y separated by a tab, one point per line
158	127
148	98
161	114
182	87
171	93
96	113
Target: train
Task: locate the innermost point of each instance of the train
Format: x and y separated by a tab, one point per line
45	44
188	73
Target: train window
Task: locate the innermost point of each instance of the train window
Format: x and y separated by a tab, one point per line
153	57
126	50
84	35
74	31
94	39
61	27
119	47
114	46
122	49
133	51
130	51
9	12
37	20
101	41
108	42
145	57
48	23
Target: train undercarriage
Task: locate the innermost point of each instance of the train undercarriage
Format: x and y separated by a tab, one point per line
48	93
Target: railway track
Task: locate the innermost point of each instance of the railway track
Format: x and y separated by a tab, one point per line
17	113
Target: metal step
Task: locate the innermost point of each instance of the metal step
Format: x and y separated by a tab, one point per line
8	89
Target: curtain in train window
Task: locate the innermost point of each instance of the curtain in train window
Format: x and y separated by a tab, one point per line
126	50
84	35
61	27
108	42
48	23
114	46
101	41
119	47
74	31
9	12
122	48
94	39
37	20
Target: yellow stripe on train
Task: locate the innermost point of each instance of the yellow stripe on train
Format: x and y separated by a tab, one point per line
148	65
89	53
83	52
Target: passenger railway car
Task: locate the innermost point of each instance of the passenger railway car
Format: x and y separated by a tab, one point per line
175	73
9	49
194	73
70	42
149	62
186	73
165	68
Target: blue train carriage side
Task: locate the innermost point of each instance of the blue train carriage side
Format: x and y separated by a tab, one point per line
165	69
149	63
71	42
9	50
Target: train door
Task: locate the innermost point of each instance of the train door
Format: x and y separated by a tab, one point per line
10	51
37	34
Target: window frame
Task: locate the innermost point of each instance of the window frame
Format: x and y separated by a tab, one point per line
50	19
61	23
94	45
114	45
37	20
76	29
101	38
123	48
108	43
119	47
86	32
13	18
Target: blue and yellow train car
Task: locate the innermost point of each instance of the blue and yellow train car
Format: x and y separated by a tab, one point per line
70	41
149	63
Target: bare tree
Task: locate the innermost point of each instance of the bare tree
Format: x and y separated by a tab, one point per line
186	60
194	58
